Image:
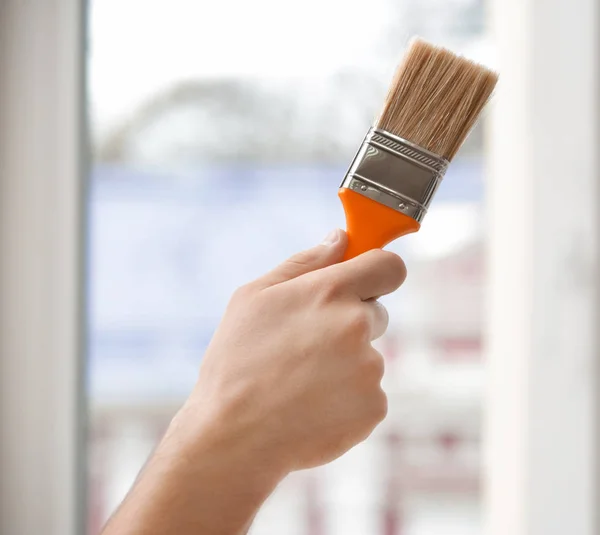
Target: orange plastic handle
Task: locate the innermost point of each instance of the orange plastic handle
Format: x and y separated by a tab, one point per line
370	224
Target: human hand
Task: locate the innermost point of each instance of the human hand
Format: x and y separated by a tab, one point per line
291	372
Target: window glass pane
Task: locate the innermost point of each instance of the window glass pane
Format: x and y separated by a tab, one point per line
221	131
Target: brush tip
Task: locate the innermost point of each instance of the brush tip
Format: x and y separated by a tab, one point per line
436	97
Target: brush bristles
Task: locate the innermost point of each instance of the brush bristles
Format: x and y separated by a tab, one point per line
436	98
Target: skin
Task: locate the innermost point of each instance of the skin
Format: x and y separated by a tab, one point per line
289	381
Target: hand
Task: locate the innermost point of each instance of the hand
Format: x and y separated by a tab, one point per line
290	381
291	372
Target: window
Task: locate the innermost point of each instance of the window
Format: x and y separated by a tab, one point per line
219	143
421	472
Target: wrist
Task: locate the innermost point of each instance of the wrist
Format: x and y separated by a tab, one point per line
205	438
203	478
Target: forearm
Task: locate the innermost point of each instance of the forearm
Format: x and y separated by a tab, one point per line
204	482
271	398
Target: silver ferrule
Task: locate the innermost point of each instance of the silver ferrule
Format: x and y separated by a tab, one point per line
396	173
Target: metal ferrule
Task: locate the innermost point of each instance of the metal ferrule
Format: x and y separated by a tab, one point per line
396	173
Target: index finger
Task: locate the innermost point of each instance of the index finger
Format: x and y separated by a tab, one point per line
370	275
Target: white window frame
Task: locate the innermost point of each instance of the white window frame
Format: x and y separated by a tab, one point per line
541	463
42	137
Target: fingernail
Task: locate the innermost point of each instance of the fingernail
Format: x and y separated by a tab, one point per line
331	238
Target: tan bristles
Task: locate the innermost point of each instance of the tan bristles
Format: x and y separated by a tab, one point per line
435	98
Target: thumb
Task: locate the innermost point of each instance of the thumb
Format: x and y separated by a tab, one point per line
330	251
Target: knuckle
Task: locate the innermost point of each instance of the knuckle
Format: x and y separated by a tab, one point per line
374	368
380	406
328	288
359	323
395	268
243	294
390	265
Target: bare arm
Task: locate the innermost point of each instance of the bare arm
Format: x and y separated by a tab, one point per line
195	485
290	381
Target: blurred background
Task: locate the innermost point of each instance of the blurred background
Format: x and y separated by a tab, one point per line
157	154
218	147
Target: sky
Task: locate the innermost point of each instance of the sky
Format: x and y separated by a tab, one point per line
140	46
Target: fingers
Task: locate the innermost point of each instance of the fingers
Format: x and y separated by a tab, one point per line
363	321
369	275
372	368
330	251
379	318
